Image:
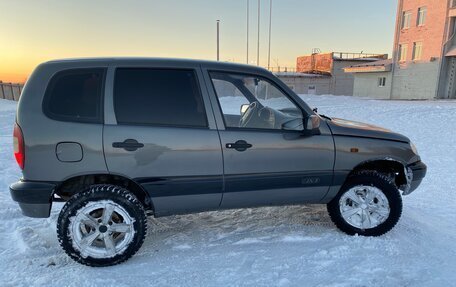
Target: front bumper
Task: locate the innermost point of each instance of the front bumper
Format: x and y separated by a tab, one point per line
415	173
34	198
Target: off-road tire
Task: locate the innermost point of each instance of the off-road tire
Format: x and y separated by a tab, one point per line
382	182
99	192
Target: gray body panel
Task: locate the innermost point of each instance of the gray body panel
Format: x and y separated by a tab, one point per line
191	169
42	134
168	153
357	129
277	152
175	157
370	149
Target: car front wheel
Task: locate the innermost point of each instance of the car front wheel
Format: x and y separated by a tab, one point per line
369	204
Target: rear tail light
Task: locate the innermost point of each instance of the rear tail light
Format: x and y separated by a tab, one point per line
18	143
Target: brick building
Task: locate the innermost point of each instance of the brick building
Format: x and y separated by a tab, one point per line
424	55
323	73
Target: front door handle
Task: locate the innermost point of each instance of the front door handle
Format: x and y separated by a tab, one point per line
128	145
240	145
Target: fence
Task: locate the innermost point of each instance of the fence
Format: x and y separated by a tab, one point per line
282	69
358	56
10	91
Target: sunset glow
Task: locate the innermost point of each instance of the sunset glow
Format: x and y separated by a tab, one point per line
37	31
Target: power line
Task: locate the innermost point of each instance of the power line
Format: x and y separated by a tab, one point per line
258	41
270	24
218	40
247	57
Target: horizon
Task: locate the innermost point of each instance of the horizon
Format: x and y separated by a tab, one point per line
59	30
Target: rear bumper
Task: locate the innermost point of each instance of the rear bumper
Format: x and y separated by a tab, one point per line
34	198
415	174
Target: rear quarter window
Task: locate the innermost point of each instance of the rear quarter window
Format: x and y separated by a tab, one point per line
75	95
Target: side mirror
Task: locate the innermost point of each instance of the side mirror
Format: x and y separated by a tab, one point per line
244	108
312	124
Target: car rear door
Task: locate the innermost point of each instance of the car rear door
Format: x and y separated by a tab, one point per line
267	165
160	132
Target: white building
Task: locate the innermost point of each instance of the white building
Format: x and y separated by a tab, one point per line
424	55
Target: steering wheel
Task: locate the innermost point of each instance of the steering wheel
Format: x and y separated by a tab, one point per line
249	114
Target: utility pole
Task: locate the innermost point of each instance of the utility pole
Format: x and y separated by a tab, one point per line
270	24
247	57
218	40
258	41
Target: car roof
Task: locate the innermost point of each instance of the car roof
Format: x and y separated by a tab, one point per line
156	60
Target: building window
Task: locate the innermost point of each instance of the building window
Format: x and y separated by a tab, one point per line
417	50
403	52
312	90
422	11
406	17
382	81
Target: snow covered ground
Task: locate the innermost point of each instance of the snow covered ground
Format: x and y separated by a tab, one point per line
286	246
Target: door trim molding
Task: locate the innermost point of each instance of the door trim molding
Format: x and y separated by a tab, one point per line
191	185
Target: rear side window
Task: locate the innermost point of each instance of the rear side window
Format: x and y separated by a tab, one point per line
75	95
144	96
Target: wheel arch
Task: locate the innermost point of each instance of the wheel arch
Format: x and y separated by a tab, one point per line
76	184
390	167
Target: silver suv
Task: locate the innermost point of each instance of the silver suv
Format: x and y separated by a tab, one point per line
118	139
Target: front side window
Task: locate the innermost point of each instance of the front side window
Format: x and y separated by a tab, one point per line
253	102
422	11
406	18
75	95
144	96
417	50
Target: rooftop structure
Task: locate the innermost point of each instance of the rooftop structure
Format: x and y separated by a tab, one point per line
325	63
322	73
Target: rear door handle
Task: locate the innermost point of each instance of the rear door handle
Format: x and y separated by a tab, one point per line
128	145
240	145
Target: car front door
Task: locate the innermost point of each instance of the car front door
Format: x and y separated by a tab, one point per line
268	159
160	132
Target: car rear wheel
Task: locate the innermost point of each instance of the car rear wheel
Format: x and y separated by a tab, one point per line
102	226
368	204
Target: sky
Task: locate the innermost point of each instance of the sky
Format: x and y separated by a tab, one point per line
34	31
